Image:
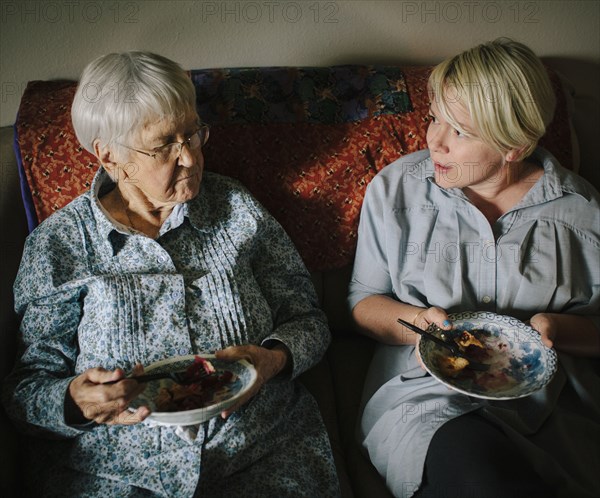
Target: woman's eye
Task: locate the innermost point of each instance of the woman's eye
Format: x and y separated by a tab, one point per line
432	118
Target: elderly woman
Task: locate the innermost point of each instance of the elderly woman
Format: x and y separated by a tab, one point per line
161	259
482	220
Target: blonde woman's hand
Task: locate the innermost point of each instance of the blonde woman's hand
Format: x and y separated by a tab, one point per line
423	319
544	324
427	316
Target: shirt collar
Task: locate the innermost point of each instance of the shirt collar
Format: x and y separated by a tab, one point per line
109	228
554	183
102	184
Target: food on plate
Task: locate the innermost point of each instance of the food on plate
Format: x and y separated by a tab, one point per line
467	339
204	386
452	366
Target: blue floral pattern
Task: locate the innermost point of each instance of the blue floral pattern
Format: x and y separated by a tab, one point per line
222	272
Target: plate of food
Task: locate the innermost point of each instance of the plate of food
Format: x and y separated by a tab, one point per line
212	386
519	363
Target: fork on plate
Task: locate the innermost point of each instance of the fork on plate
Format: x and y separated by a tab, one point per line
450	345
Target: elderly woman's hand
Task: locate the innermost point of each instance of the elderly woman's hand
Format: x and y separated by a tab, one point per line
89	398
267	362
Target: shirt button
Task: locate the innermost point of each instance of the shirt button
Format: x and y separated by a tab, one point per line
487	299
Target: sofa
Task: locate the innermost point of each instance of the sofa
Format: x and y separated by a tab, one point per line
306	142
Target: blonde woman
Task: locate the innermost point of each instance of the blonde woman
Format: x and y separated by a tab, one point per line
482	220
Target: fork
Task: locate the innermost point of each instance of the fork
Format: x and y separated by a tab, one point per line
454	349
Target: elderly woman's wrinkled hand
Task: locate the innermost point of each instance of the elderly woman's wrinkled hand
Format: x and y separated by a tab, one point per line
89	398
267	362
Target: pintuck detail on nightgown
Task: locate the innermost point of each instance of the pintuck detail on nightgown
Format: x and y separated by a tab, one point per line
94	294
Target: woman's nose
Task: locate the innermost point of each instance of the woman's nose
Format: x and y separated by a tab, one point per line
187	156
435	139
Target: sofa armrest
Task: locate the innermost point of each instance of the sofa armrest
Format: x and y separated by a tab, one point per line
13	230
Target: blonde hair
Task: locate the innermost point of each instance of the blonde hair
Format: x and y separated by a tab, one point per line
506	90
119	93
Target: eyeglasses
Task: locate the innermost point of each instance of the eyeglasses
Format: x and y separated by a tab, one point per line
169	151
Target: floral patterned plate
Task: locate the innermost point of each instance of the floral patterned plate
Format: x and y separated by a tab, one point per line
244	377
520	363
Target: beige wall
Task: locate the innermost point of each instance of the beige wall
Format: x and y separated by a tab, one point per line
55	39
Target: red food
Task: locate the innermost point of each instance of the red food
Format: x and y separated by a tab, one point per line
198	369
205	384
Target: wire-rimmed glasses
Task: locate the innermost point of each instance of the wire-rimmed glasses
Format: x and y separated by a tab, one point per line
169	151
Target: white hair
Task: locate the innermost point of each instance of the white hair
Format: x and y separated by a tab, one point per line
121	92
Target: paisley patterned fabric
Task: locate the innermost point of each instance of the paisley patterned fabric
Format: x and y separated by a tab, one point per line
305	141
221	273
325	95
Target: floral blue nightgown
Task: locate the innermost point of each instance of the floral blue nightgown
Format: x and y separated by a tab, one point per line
221	272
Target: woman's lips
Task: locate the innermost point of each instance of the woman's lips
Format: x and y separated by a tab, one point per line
441	169
189	177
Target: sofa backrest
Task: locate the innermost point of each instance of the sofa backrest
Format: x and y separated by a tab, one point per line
305	141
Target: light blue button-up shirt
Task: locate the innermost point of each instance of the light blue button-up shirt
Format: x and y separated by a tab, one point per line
429	246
